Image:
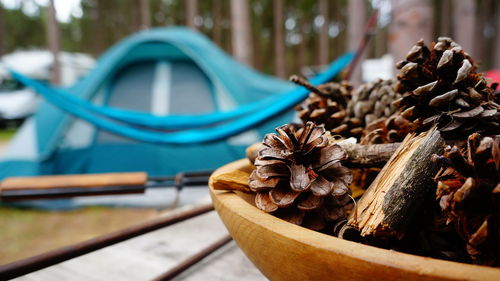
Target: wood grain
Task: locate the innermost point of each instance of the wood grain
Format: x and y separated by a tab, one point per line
284	251
72	181
373	155
234	180
397	194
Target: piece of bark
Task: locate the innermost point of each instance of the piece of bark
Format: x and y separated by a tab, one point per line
359	156
396	196
375	155
232	181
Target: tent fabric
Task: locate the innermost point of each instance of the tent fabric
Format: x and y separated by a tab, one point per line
65	145
271	105
172	44
263	111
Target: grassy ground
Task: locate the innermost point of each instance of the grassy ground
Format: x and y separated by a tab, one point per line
6	134
26	232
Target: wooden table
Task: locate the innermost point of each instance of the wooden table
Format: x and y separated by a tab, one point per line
150	255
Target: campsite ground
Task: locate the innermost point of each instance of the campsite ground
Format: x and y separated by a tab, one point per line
27	232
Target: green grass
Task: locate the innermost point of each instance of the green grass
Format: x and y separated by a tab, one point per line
6	134
27	232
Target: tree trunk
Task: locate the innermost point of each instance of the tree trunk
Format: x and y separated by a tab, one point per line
484	16
217	28
54	43
191	13
144	15
323	57
95	16
2	31
464	21
301	47
497	38
279	39
445	19
226	37
240	31
411	21
356	26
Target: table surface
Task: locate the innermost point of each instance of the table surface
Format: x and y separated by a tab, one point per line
149	255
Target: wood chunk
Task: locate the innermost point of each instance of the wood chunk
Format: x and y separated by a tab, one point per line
235	180
395	197
375	155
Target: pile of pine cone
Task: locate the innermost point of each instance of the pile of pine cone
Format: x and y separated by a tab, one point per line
299	174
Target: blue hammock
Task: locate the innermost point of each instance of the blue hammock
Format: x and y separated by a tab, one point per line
252	114
69	102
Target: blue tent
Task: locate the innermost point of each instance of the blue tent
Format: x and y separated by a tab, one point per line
160	72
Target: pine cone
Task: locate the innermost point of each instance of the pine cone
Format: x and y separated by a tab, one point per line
299	177
469	195
370	102
387	130
440	86
326	105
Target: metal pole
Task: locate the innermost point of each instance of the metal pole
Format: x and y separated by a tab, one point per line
180	268
25	266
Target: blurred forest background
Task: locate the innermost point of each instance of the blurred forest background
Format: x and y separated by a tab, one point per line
305	32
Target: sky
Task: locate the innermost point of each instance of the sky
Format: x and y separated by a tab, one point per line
64	8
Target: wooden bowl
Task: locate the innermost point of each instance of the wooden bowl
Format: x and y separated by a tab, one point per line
284	251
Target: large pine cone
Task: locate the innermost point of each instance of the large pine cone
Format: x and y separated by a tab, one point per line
469	195
440	86
326	106
370	102
299	177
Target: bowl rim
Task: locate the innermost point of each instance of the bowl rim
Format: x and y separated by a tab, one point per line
234	203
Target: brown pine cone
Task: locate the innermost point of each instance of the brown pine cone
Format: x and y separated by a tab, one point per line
370	102
387	130
440	85
299	177
326	105
469	195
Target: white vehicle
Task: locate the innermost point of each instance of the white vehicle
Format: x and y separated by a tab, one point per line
18	102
